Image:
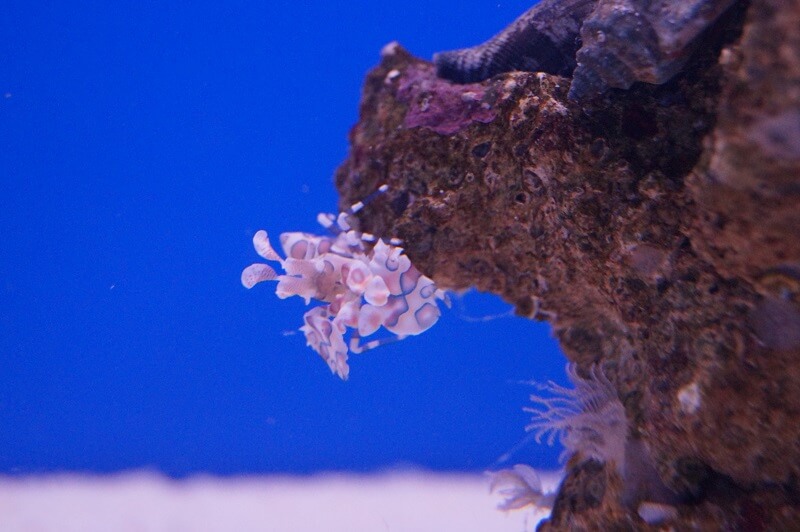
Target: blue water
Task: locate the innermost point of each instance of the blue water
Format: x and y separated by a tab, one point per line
141	146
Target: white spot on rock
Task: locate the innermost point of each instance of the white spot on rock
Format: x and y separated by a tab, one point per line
689	398
390	49
391	76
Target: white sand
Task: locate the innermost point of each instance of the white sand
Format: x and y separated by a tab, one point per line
141	501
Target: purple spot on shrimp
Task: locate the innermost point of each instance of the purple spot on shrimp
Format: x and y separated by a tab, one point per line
426	316
395	307
299	249
392	263
428	290
409	280
326	329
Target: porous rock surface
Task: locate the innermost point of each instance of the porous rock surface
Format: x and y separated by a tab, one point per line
657	229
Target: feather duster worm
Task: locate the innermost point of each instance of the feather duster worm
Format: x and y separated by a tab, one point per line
590	422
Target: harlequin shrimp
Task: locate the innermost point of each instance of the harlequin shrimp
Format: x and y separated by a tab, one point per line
365	283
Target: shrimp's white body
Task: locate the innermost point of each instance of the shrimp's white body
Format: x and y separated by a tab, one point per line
363	289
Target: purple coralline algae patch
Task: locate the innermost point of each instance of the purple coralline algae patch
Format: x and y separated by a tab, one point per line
442	107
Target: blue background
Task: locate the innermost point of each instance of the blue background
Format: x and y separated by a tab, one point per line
141	146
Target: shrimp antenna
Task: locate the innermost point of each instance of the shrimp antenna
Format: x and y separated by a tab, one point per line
342	222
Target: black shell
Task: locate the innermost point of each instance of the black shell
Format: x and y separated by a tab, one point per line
601	43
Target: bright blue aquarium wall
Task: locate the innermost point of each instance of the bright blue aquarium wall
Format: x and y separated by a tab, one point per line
142	146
